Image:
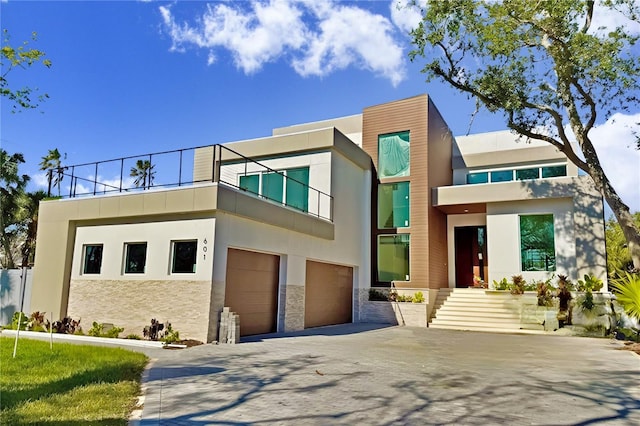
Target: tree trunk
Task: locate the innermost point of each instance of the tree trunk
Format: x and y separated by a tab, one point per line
619	208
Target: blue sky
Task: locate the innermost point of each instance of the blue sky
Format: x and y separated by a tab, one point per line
132	77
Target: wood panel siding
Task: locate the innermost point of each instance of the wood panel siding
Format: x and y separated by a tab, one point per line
430	165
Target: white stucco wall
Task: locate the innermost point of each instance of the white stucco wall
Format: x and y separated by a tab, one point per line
350	186
158	236
503	237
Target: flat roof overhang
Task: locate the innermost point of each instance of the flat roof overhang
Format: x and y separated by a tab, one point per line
458	199
202	200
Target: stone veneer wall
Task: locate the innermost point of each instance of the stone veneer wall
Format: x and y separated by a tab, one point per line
132	303
294	311
396	313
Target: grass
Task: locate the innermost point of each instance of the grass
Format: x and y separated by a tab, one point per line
72	384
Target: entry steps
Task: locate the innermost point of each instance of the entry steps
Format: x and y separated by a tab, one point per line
483	310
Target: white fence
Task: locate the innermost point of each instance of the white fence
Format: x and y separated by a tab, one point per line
11	293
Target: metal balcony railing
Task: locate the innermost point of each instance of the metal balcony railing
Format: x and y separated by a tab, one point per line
182	167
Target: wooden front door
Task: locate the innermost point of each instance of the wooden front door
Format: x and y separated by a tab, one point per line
471	254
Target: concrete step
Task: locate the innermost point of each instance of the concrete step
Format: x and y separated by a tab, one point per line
488	329
489	323
477	315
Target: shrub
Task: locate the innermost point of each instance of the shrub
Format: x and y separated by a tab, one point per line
67	325
16	318
377	295
418	297
518	284
170	335
545	297
97	330
590	283
133	337
503	284
627	291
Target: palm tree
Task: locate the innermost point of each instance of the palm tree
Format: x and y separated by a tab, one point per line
12	186
143	173
28	206
53	164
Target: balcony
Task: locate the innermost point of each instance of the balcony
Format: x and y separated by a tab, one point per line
191	167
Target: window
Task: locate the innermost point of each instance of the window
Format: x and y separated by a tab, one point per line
482	177
523	174
290	186
135	258
554	171
393	205
297	188
502	176
184	257
393	155
393	258
250	183
92	262
537	243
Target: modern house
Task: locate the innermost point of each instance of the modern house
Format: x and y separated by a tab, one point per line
292	230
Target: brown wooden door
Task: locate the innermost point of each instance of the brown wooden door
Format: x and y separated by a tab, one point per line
328	294
471	254
251	290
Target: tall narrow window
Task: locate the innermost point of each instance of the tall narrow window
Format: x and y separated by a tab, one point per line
393	155
92	262
393	205
393	258
297	188
537	243
135	258
184	257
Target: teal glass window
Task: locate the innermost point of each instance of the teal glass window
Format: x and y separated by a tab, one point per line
502	176
524	174
92	259
250	183
482	177
184	257
393	155
135	258
537	243
393	205
554	171
297	188
272	186
393	258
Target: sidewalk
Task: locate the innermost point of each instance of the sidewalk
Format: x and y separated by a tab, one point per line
353	374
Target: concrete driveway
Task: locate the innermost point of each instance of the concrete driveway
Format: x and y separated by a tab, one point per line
358	374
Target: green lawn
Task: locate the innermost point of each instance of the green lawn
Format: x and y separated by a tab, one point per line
72	385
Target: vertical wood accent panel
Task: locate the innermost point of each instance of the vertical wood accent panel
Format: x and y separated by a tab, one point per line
430	156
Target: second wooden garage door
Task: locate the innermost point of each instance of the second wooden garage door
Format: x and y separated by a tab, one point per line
328	294
252	290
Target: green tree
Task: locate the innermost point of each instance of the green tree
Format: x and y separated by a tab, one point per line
143	173
27	222
545	66
52	164
20	57
12	186
618	256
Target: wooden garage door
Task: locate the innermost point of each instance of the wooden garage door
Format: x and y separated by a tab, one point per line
328	294
252	290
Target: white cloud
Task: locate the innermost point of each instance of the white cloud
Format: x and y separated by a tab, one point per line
606	19
406	15
614	142
41	180
315	37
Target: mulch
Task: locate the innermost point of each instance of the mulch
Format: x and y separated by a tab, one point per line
631	346
189	343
